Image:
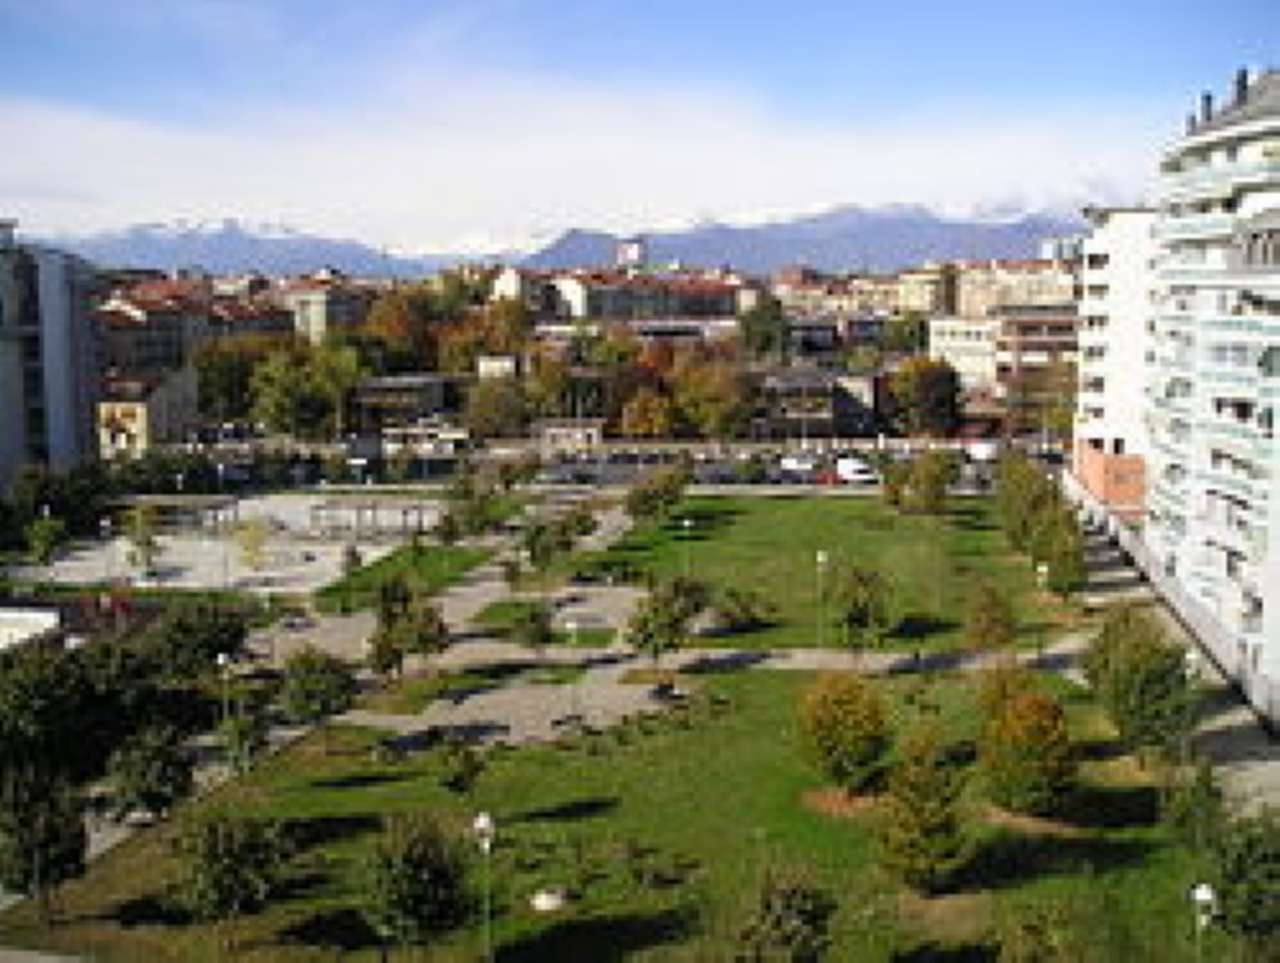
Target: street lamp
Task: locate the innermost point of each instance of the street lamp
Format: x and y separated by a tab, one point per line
104	526
224	668
484	829
687	524
1204	903
821	558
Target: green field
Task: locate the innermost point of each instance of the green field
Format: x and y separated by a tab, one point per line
665	827
432	566
771	545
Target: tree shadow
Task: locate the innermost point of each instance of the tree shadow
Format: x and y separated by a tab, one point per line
358	780
1100	750
150	911
322	830
1111	807
577	809
344	929
600	939
936	953
1009	858
726	662
917	626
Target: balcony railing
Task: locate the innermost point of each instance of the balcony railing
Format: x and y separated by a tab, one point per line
1195	225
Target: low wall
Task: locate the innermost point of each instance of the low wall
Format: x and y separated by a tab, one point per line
1260	691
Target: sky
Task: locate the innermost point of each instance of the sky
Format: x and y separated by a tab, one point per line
476	125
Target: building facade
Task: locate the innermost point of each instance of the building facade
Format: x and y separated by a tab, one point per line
1115	314
49	357
1213	513
969	346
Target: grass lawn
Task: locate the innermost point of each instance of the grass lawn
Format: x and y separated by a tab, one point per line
665	827
412	694
503	614
434	566
771	545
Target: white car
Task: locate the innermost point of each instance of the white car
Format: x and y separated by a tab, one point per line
854	471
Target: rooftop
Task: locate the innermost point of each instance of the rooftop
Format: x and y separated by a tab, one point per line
1262	100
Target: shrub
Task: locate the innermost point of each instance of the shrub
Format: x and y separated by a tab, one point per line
921	837
989	621
231	863
843	718
151	771
788	923
414	880
1025	754
1245	872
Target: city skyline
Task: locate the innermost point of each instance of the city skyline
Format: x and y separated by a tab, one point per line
574	115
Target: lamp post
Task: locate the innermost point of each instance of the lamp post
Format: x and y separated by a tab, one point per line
572	626
820	559
104	526
224	669
686	523
484	829
1204	902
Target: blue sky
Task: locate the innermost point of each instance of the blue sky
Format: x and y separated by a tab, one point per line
437	124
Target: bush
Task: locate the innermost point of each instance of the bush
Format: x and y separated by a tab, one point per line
231	862
1025	754
789	922
739	609
989	621
1245	872
414	880
151	771
921	837
843	718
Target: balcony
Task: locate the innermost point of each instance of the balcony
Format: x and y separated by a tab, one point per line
1195	226
1204	182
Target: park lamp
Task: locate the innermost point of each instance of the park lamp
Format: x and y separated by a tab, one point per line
821	558
1205	901
484	829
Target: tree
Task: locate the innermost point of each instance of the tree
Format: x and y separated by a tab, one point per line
710	396
844	721
545	540
231	862
244	737
1141	679
386	652
763	329
740	609
661	622
905	335
648	414
335	372
151	771
140	530
415	880
864	600
496	409
284	396
989	620
1025	753
928	477
789	923
926	396
657	493
316	685
532	627
251	536
1245	874
1065	555
922	839
43	841
44	536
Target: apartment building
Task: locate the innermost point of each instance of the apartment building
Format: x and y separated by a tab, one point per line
969	346
323	302
982	286
1213	513
1115	312
49	357
1036	350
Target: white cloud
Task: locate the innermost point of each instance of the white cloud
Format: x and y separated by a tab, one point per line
449	157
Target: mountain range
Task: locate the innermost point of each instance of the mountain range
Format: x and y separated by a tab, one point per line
842	239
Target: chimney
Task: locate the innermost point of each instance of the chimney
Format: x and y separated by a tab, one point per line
1191	123
1242	85
1206	107
8	226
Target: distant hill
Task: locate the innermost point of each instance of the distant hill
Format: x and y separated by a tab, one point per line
843	239
230	246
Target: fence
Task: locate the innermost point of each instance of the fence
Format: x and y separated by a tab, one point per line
1227	650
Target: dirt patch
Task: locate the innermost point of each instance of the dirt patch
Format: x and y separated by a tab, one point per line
834	801
1032	825
950	918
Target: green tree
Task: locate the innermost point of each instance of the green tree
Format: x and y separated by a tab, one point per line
140	529
928	477
921	835
244	737
496	408
711	396
283	393
231	862
661	622
43	841
865	601
763	329
790	922
1245	874
846	727
532	627
926	396
315	686
151	772
335	372
989	619
45	535
414	880
1025	753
